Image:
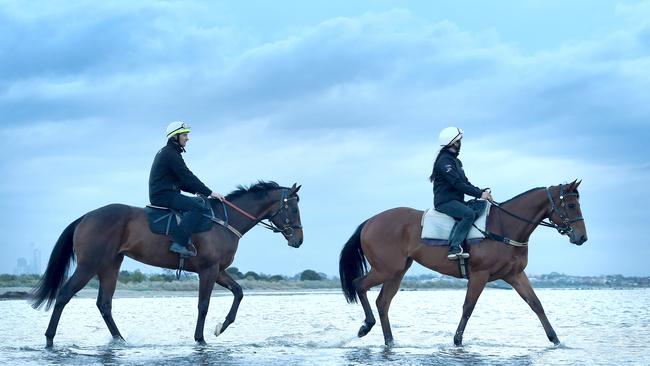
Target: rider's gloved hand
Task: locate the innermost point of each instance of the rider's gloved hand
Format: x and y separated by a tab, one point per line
486	195
217	196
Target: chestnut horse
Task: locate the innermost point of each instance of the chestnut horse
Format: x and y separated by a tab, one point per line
101	238
390	241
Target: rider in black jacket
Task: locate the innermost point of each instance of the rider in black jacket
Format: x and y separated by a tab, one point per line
168	177
450	185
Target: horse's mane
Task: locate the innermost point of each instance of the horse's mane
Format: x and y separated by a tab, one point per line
259	187
521	194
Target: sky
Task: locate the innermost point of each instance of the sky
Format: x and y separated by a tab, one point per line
345	98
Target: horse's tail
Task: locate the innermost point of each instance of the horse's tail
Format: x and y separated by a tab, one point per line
352	264
57	268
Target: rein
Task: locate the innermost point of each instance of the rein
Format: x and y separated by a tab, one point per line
563	229
286	229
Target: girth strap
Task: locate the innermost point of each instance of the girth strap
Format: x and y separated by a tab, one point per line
225	224
503	239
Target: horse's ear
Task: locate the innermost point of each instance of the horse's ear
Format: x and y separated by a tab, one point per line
572	186
577	184
295	188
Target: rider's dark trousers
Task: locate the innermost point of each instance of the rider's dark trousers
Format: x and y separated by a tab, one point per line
192	214
465	217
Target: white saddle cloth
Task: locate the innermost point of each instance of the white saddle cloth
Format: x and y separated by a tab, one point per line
437	226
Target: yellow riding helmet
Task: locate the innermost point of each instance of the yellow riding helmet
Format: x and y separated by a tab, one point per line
176	128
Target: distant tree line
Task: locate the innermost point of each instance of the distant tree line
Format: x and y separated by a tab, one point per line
169	275
306	275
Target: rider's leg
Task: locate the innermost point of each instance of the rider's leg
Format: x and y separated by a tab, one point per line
466	216
192	216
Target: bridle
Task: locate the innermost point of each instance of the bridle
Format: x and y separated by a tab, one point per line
563	228
287	229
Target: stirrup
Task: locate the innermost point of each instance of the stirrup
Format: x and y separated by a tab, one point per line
456	256
463	254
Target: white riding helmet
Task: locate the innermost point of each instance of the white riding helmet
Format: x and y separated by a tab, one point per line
449	135
176	128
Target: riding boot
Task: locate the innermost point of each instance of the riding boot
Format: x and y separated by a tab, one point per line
455	251
184	251
182	235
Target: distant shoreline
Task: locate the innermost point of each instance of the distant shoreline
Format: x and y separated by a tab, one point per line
23	293
137	284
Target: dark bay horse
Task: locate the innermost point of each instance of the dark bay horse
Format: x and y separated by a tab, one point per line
101	238
390	241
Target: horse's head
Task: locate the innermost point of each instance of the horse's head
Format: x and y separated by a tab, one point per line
565	212
287	216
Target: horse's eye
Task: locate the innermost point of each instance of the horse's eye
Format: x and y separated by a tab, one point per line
572	206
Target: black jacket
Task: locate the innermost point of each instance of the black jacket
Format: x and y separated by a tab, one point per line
449	180
169	174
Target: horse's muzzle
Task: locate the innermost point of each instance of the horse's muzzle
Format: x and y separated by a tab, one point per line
296	243
578	240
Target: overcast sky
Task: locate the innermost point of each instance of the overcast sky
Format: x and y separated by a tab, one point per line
345	98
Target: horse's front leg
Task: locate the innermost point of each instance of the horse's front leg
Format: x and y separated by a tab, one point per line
207	277
521	284
226	281
475	286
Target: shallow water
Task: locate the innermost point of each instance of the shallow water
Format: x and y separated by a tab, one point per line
596	327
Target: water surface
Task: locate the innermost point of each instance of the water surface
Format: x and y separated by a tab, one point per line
596	327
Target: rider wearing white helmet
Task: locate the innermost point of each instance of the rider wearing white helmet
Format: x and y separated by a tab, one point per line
168	177
450	185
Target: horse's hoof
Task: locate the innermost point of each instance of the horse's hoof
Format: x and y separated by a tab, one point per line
365	328
49	343
556	341
458	342
218	329
389	343
362	331
201	342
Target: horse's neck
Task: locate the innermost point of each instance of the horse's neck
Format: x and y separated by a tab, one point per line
531	206
258	208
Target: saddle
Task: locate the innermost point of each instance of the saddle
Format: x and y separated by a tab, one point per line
437	227
164	220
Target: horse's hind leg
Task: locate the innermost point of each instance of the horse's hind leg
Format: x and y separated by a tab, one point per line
107	282
388	291
521	284
362	285
475	286
76	282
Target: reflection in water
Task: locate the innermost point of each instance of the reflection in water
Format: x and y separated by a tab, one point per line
417	356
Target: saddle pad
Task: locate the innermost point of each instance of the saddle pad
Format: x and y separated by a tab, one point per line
165	221
436	226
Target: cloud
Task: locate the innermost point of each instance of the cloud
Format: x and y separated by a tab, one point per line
350	107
